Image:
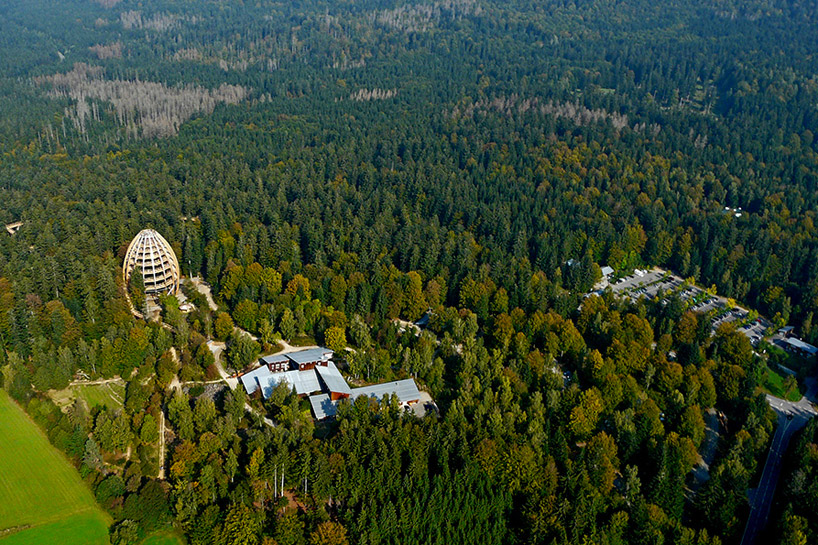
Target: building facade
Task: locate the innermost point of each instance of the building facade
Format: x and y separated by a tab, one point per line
152	255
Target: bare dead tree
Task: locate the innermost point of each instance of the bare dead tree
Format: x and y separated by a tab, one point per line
422	17
110	51
362	95
514	105
144	108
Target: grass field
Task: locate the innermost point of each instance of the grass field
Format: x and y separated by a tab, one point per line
164	538
304	340
108	395
774	383
41	494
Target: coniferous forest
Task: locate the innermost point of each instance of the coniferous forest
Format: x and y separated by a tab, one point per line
335	169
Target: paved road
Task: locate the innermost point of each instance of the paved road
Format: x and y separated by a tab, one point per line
792	416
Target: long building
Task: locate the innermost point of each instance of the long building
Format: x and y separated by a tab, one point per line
312	373
801	348
324	406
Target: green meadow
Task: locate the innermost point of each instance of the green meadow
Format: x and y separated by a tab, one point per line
109	395
169	537
42	498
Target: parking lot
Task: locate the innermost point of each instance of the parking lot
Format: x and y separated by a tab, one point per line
636	284
737	314
649	284
755	330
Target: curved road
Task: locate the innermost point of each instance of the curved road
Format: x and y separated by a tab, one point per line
792	416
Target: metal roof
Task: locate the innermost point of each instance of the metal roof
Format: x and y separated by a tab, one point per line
249	382
607	271
275	358
303	382
801	345
255	379
321	378
406	390
310	355
332	379
323	406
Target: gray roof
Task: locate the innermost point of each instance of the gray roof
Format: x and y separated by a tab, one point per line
607	271
406	390
310	355
321	378
275	358
801	345
323	406
255	379
303	382
332	378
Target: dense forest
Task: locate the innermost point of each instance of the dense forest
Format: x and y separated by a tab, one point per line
331	167
796	525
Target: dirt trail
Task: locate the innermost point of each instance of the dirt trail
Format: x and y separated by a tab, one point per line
707	452
94	382
204	288
161	474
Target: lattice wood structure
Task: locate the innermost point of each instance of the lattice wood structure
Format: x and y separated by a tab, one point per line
157	262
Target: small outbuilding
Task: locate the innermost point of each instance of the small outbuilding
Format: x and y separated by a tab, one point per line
277	363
